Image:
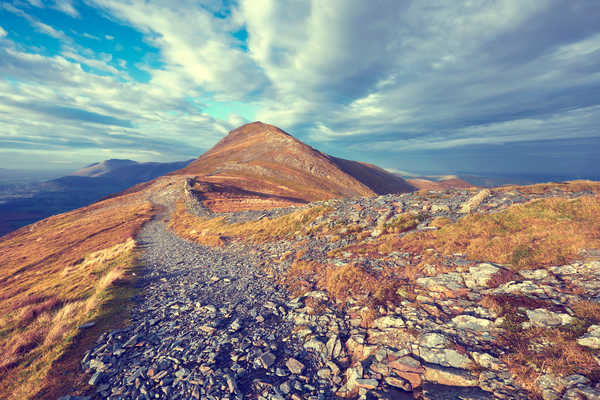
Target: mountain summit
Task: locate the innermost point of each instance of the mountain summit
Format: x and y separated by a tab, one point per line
263	158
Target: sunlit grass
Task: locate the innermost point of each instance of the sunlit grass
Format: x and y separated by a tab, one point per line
538	233
55	276
216	231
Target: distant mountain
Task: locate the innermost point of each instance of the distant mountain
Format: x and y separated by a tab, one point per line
106	167
464	179
25	204
441	183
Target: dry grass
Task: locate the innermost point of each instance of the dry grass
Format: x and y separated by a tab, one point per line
567	187
216	232
342	282
402	223
587	311
535	351
55	275
538	233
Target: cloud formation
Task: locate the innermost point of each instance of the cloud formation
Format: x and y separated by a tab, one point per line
376	79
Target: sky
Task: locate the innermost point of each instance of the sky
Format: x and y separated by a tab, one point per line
488	86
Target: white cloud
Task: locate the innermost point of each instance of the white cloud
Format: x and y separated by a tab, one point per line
199	52
2	32
404	75
66	6
402	69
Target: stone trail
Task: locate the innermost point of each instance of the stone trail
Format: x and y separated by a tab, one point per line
207	325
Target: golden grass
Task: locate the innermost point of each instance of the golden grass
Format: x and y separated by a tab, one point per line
402	223
56	275
216	232
342	282
538	233
535	351
568	187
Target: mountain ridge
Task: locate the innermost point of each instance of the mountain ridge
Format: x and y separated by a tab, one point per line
261	157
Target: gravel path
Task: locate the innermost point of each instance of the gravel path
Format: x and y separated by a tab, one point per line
208	324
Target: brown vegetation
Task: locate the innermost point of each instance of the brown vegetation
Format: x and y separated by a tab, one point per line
541	232
534	351
55	275
216	232
342	282
566	187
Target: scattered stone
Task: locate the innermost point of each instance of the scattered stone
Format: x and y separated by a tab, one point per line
480	275
470	205
449	376
548	319
468	322
267	359
295	366
367	383
212	321
97	378
591	339
398	382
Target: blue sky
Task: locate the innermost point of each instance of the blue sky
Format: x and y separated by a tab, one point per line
481	86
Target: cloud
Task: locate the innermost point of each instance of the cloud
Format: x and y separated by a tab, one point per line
52	103
2	32
422	75
66	6
198	50
343	74
38	25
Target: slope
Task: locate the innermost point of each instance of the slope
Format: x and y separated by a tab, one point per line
79	189
261	158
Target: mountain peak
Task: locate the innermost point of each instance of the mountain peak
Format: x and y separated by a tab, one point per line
263	158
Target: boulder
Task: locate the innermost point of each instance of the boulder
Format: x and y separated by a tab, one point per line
591	339
449	376
479	275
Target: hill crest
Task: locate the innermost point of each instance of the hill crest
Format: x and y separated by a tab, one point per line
259	157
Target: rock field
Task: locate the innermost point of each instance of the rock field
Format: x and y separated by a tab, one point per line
215	323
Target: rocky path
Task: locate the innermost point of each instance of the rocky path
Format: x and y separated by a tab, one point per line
206	325
211	324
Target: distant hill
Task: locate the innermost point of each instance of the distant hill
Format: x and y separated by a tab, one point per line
36	201
105	167
442	183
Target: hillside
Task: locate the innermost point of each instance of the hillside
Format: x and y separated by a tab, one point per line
92	183
261	158
267	268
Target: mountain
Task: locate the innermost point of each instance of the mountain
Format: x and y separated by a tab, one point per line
103	168
22	176
443	295
261	158
35	201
